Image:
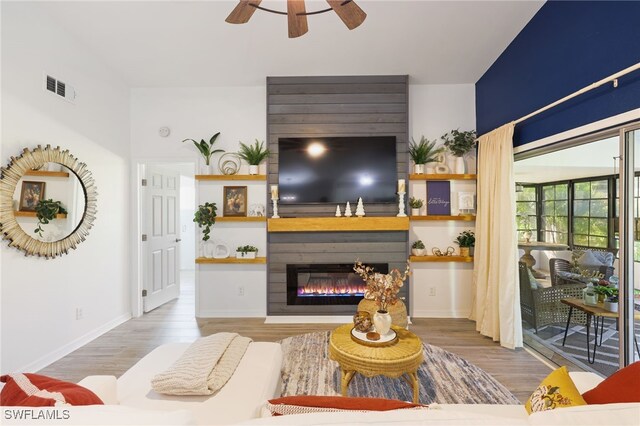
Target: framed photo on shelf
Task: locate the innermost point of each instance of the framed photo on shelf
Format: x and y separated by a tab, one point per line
235	201
30	194
467	202
438	198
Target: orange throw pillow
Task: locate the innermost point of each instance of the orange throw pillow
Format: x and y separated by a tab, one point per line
621	386
316	404
34	390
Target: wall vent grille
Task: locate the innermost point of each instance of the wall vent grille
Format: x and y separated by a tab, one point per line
59	88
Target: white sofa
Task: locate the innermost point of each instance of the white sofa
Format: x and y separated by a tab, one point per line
257	379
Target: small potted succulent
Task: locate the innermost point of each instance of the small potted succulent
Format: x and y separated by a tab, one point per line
611	302
467	241
415	204
459	144
423	152
207	151
253	155
246	252
46	211
417	248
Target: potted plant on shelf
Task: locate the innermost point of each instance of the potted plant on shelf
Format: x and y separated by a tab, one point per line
207	151
254	155
246	252
423	152
417	248
46	211
205	217
466	240
459	144
416	204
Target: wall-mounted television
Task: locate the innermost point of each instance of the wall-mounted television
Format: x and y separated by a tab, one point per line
337	170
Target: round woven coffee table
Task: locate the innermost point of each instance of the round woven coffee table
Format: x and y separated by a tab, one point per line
401	359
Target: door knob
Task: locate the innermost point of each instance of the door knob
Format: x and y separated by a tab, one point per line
178	240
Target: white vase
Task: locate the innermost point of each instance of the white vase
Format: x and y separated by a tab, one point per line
382	322
417	252
254	169
460	166
247	255
209	249
610	306
418	169
415	212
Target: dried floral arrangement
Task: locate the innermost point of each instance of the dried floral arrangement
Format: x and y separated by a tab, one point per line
382	288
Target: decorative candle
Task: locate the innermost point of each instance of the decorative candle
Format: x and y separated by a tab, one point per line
401	187
274	192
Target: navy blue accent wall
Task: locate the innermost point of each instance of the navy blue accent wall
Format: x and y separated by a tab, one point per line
566	46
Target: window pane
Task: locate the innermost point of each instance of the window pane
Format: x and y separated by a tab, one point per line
599	189
548	207
599	208
561	237
547	193
598	227
532	223
580	225
580	240
598	242
581	208
562	224
547	222
562	192
561	208
582	190
528	194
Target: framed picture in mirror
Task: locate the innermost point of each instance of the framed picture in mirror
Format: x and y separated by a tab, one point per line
30	194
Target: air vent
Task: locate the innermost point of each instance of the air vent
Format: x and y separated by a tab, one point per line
59	88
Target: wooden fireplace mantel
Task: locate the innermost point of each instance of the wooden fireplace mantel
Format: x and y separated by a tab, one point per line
324	224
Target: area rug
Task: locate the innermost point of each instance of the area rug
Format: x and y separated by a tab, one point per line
444	377
575	348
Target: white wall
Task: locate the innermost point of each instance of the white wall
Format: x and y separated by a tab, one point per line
239	114
441	289
40	297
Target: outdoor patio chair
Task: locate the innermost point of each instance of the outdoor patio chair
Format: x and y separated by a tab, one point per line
542	306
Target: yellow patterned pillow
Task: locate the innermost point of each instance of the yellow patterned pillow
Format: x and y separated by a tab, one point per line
557	390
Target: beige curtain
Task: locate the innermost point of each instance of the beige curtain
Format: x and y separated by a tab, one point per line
496	297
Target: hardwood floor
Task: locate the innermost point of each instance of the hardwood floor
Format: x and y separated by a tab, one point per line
117	350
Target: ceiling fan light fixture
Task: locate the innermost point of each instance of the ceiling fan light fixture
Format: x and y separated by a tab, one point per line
347	10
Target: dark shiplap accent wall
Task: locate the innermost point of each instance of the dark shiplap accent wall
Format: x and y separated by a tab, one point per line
333	106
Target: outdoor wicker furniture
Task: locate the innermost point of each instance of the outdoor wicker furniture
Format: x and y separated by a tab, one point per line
543	306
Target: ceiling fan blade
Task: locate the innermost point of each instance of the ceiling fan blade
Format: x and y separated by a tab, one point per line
242	12
297	23
349	12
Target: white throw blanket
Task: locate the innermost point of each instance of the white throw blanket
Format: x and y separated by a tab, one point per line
205	366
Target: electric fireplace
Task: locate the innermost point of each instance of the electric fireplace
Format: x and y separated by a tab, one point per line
326	284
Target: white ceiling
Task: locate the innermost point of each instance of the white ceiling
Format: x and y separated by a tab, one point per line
187	43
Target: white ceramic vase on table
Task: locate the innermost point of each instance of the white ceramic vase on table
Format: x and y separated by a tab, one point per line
418	169
460	166
254	169
382	322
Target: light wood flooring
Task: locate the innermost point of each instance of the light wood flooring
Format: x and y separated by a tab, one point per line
117	350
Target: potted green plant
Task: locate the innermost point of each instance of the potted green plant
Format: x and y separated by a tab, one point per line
422	153
46	211
466	240
207	151
417	248
246	252
205	217
254	155
605	291
415	204
459	144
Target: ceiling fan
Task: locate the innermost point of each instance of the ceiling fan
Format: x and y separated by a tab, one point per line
347	10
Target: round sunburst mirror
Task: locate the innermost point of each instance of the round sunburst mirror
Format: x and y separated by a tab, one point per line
46	183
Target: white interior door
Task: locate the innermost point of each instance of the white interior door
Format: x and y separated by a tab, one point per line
162	227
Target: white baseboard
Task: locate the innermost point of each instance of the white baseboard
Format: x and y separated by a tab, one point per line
65	350
440	313
308	319
229	314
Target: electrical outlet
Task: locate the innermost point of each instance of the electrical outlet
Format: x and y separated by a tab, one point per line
432	291
79	314
241	291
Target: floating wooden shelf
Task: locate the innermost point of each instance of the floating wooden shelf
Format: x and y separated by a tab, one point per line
466	217
432	258
442	177
33	214
324	224
231	177
241	219
204	260
46	173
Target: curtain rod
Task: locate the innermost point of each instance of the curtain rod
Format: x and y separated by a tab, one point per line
613	77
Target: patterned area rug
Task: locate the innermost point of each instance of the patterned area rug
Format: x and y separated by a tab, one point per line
444	378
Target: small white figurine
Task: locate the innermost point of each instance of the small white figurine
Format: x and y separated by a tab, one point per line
347	210
338	212
360	208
